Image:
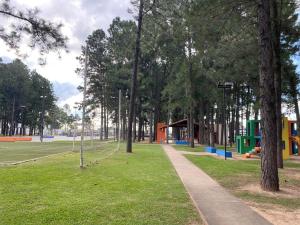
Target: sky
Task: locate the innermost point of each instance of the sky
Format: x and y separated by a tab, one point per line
80	18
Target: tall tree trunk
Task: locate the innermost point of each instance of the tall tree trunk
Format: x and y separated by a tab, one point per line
140	124
143	131
237	114
104	122
277	72
134	125
211	128
150	128
232	137
201	124
190	91
107	116
134	77
192	129
101	123
269	171
124	125
12	123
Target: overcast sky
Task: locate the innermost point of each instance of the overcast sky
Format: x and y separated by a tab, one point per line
80	18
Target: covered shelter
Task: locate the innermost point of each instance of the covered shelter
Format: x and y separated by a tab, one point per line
179	131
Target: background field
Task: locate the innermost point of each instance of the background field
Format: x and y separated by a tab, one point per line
19	151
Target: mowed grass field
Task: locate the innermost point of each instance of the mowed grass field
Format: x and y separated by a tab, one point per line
20	151
139	188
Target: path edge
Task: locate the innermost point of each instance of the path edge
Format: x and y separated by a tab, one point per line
193	201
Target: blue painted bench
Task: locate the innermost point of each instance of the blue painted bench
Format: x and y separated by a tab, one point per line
221	152
210	149
181	142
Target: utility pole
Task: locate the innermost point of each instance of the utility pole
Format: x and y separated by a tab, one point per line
119	122
83	107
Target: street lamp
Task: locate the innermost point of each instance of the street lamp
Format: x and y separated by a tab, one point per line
225	86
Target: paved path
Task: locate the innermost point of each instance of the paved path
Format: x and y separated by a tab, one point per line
215	204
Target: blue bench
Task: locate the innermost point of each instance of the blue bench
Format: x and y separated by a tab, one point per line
221	152
181	142
210	149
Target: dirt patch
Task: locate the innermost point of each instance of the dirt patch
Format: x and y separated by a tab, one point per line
285	192
292	173
295	159
275	214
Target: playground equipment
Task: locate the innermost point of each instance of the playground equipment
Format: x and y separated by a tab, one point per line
249	145
290	138
254	153
246	143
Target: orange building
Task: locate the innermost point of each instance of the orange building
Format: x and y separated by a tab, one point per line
179	131
161	132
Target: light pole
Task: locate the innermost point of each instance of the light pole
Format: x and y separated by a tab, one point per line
83	106
42	118
225	86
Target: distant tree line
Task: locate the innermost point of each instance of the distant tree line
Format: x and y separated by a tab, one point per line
25	98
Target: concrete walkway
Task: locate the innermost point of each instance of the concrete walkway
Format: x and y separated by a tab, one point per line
215	204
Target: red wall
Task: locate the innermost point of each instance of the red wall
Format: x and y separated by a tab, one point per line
160	133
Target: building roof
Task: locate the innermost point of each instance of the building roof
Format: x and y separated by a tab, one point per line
181	123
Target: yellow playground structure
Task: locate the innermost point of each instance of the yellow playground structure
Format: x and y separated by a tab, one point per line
290	138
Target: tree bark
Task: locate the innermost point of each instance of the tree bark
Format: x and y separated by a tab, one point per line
277	81
192	129
237	114
134	77
101	123
140	125
150	128
211	128
269	170
201	125
12	123
134	125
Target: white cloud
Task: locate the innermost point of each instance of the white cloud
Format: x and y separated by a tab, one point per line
71	101
80	18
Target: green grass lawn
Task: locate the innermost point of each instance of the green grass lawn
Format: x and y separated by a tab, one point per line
19	151
139	188
233	174
188	148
